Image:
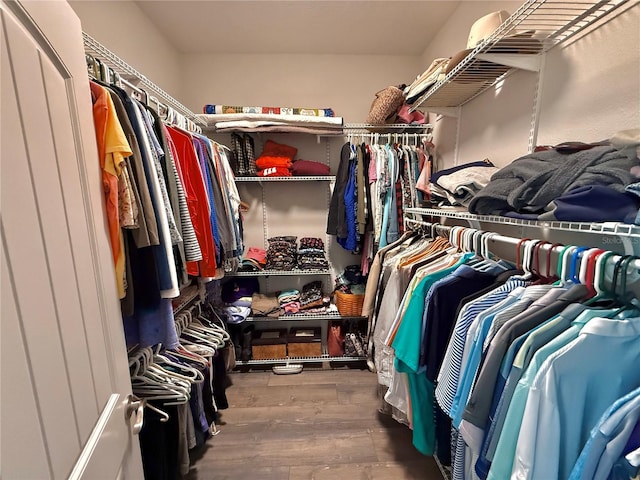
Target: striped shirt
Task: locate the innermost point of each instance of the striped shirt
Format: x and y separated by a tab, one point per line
451	365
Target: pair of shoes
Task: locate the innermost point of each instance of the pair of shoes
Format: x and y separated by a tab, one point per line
247	337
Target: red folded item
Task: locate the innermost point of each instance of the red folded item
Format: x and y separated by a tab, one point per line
273	149
265	162
274	172
309	167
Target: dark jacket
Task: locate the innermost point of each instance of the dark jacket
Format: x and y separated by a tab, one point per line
531	182
337	218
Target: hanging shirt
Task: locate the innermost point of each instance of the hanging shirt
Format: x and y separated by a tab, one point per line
503	458
577	382
190	241
450	371
608	438
197	203
407	347
113	148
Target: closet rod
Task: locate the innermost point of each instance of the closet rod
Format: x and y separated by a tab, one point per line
97	50
505	248
397	137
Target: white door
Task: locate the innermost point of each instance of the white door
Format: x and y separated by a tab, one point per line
65	379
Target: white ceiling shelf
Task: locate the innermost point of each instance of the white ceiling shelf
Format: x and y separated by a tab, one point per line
549	22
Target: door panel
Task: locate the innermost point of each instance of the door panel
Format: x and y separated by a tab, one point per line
25	427
64	318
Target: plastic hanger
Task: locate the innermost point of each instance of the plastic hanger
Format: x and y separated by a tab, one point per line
573	269
551	278
627	297
564	264
536	261
518	254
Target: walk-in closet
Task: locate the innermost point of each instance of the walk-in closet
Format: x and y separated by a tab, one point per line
309	240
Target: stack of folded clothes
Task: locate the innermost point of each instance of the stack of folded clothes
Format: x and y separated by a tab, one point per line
265	305
458	185
289	301
311	254
237	295
302	168
254	260
275	160
572	181
312	299
282	252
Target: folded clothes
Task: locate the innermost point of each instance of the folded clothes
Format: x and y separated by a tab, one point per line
257	254
288	296
275	149
309	167
264	162
233	109
236	314
265	305
291	307
274	172
311	242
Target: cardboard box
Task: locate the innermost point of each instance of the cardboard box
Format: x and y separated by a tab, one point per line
305	342
269	344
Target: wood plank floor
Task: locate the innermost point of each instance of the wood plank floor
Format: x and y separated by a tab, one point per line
319	424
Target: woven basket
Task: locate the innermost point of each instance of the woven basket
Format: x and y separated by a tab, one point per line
349	304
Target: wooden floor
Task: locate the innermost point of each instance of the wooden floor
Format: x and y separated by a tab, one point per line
319	424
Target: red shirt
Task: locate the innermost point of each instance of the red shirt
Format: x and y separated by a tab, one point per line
196	194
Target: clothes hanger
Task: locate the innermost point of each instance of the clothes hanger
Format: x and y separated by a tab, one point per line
564	265
535	262
625	296
554	277
586	262
573	269
151	382
519	256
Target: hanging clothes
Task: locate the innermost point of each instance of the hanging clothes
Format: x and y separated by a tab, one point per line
504	371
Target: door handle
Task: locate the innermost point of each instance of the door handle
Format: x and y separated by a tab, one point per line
135	406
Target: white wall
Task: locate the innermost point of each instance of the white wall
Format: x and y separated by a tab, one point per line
125	30
346	83
592	86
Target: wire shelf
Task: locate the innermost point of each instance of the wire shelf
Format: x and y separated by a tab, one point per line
607	228
539	26
303	316
321	358
99	51
318	178
283	273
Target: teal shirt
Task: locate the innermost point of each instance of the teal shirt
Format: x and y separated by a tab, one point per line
407	348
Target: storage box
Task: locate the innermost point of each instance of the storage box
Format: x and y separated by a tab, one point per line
269	344
305	342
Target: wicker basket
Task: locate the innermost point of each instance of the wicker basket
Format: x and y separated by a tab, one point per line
349	304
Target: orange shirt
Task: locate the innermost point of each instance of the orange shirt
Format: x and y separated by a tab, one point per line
113	148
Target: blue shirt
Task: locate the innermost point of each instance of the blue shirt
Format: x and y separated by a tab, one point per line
570	392
608	438
503	459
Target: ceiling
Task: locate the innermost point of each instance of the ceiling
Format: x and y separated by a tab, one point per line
393	27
